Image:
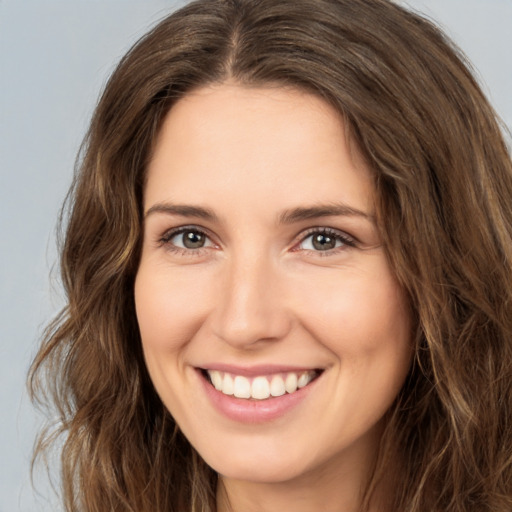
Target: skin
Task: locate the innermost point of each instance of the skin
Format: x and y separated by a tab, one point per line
259	292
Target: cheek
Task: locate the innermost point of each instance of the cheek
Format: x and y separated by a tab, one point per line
358	314
169	313
163	303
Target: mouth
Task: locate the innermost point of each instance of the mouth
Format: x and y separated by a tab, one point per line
260	387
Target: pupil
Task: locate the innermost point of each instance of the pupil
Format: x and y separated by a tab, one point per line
324	242
193	240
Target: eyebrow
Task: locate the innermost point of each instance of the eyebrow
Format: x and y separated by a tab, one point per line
183	210
329	210
290	216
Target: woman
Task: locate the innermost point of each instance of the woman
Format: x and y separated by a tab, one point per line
288	263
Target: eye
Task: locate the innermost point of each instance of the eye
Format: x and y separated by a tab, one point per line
325	240
187	238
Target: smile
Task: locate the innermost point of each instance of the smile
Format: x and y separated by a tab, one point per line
260	387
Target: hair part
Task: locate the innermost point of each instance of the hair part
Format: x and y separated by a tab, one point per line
443	177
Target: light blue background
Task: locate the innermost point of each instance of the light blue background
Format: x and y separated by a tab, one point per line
54	59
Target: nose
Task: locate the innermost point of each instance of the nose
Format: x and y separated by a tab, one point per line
251	306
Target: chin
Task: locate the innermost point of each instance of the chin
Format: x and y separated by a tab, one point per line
260	460
261	471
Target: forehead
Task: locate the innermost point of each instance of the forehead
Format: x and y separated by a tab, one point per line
239	142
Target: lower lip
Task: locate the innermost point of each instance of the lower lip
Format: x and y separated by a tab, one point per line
254	411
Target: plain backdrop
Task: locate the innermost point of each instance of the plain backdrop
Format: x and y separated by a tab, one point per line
55	57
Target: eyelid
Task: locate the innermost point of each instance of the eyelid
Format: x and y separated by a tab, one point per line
346	239
172	232
169	234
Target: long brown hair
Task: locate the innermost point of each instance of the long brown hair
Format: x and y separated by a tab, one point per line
443	177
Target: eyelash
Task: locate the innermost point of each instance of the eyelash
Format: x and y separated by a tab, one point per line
345	239
165	240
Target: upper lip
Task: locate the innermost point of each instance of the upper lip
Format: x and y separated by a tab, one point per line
255	370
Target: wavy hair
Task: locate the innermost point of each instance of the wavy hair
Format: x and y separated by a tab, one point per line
443	176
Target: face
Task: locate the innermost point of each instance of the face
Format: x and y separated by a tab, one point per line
272	326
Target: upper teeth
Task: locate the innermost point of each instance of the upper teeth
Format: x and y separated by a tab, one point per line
260	387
